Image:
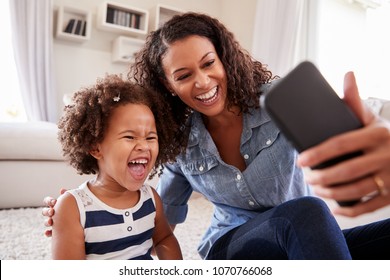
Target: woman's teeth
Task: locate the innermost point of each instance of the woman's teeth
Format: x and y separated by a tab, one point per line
208	96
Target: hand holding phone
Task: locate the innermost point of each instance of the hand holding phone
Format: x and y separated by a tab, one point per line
308	111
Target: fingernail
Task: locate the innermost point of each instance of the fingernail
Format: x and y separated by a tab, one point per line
302	158
50	212
307	173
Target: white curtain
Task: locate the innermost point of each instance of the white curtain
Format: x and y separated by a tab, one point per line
31	24
281	33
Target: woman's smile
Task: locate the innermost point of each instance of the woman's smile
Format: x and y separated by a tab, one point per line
208	97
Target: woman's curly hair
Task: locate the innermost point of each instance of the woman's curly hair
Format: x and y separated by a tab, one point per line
244	74
84	122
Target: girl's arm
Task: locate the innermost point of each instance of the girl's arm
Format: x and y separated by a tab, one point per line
67	232
165	243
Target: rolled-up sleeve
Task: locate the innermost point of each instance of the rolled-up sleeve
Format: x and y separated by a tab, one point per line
174	190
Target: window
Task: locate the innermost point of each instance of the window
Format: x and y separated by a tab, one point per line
353	35
11	105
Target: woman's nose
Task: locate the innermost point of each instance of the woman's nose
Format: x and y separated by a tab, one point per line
202	80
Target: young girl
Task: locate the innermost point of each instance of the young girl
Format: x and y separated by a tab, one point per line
114	130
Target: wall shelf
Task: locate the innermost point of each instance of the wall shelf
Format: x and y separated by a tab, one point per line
124	48
122	19
162	13
73	24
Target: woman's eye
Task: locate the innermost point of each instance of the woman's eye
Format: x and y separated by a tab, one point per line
209	63
182	77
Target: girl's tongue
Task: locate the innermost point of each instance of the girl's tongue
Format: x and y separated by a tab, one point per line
137	170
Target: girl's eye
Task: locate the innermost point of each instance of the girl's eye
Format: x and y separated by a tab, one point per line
151	138
129	137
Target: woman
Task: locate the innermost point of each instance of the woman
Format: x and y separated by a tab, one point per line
235	155
237	158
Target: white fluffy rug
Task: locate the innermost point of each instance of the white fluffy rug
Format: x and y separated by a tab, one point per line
22	232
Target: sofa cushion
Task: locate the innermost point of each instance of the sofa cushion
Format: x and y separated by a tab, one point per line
379	106
31	140
385	111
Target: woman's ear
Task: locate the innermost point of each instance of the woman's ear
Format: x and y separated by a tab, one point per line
168	86
95	152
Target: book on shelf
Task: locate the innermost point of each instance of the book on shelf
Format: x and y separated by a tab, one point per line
78	28
127	19
110	15
70	27
84	28
137	20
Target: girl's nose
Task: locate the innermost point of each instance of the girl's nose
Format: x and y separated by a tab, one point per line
142	145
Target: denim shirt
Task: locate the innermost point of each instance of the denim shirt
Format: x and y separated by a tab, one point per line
271	176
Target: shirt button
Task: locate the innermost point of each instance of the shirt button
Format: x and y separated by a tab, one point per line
251	203
268	142
238	177
129	228
246	156
127	213
201	168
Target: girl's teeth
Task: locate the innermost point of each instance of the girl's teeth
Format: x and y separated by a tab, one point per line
139	162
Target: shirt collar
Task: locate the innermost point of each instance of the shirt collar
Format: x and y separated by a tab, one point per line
254	118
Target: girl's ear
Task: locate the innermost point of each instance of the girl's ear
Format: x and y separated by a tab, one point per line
95	152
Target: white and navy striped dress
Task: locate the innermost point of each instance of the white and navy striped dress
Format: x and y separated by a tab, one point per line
116	233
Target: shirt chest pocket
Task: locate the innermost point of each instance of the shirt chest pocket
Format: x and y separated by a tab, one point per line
274	155
265	142
209	177
199	167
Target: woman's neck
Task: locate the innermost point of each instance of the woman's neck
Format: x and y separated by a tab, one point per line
226	130
228	118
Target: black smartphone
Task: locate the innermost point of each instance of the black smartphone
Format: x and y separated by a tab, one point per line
308	111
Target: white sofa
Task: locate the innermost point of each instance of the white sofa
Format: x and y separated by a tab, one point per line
32	166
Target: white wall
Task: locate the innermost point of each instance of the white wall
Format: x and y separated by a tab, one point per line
79	64
354	38
341	39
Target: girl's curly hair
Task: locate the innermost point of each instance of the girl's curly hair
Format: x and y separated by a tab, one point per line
85	121
244	74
